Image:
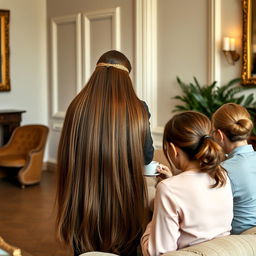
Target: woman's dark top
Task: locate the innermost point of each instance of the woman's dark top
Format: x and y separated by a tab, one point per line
148	146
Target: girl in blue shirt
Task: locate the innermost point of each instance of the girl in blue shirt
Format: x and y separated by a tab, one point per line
233	126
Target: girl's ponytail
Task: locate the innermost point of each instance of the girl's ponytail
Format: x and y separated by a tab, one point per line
210	155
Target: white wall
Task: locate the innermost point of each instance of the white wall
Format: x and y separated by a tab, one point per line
184	33
181	47
28	69
231	25
103	35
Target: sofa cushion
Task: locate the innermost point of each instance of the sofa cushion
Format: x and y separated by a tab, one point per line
233	245
13	160
251	231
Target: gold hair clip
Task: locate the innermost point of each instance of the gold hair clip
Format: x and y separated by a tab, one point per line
119	66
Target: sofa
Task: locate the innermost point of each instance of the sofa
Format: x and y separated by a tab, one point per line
233	245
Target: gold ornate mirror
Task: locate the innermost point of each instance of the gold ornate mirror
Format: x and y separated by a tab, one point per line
249	43
4	49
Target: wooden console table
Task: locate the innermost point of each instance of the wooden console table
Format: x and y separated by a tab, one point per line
10	119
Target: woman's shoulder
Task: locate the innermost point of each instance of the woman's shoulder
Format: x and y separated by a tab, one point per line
238	161
186	181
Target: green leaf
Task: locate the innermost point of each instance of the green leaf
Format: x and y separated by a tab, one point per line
248	100
240	100
208	98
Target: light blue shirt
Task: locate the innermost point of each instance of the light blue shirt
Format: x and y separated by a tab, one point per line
241	168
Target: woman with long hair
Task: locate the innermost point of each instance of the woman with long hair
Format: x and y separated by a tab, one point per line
233	126
105	142
195	205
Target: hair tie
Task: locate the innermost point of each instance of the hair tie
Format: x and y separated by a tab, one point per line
118	66
206	137
195	150
201	141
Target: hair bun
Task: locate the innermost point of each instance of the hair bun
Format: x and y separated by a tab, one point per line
234	120
242	122
241	127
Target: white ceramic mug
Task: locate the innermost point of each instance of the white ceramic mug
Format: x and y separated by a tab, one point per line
151	169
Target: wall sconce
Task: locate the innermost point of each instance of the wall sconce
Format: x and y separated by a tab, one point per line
229	49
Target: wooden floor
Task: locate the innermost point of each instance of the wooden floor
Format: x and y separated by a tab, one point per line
27	216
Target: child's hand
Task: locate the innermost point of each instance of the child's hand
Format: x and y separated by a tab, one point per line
164	171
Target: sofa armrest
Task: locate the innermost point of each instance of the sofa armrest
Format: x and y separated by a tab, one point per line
233	245
31	173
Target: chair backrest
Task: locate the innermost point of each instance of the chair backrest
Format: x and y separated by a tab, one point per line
27	138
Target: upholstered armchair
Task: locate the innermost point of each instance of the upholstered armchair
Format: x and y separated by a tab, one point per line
25	151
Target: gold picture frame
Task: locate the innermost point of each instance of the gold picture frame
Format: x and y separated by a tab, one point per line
249	43
5	52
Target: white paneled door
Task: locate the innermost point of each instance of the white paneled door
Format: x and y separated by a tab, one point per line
79	33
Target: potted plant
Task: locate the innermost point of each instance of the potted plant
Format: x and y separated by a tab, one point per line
207	99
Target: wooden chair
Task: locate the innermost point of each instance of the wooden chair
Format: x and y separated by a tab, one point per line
25	150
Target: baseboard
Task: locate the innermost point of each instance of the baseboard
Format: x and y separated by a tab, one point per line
49	166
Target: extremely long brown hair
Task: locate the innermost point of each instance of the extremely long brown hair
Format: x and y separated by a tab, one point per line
190	131
101	195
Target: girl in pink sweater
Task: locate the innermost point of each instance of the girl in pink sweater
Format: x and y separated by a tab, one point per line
195	205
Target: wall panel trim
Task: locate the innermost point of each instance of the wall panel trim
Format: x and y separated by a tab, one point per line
146	55
114	14
146	59
54	29
214	40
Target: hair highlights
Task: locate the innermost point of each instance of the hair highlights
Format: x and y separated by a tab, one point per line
101	197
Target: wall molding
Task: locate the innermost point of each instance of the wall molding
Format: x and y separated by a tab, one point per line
214	41
146	59
50	165
88	17
76	19
146	55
